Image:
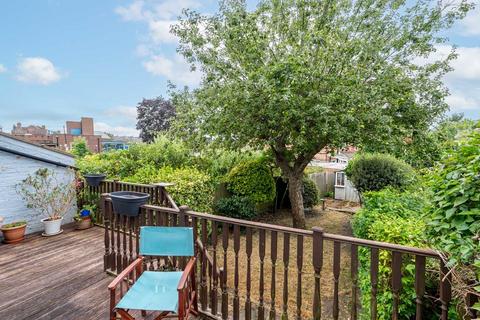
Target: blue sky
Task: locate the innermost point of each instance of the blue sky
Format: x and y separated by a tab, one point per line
60	60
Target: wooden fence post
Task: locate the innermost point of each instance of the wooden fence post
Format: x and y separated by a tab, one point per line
317	266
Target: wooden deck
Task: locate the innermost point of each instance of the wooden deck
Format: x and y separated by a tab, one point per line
55	278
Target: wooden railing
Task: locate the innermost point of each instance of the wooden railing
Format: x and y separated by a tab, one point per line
250	270
158	195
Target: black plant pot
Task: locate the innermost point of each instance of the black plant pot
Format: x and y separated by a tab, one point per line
94	180
128	203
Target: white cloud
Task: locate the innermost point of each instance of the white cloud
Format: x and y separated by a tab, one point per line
133	12
126	113
37	70
176	69
471	23
160	31
465	66
159	16
458	102
116	130
2	68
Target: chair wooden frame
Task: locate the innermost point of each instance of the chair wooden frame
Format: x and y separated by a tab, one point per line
187	293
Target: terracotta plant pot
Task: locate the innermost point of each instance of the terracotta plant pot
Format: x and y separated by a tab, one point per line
14	235
83	223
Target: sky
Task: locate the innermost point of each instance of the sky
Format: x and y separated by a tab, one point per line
61	60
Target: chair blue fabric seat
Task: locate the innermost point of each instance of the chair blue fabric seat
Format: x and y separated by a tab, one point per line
153	291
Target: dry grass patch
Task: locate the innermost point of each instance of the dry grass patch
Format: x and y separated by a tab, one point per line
331	222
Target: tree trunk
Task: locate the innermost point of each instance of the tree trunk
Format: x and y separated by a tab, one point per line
296	200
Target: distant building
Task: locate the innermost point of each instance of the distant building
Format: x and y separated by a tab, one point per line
73	129
35	134
112	142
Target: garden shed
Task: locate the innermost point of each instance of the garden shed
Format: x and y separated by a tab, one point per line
18	159
333	178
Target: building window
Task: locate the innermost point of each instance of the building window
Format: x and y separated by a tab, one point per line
76	131
340	179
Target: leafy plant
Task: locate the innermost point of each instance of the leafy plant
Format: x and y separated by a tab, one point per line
236	207
391	216
454	217
192	187
252	179
373	172
79	147
44	192
310	193
14	224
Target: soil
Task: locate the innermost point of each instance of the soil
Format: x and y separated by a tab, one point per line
331	221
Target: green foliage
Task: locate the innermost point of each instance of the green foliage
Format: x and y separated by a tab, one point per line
14	224
191	187
301	75
218	162
373	172
455	213
391	216
119	164
236	207
79	147
252	179
47	193
310	193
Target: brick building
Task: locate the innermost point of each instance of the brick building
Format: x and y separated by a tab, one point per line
73	129
35	134
83	128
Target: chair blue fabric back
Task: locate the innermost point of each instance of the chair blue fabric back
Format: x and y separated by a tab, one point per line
166	241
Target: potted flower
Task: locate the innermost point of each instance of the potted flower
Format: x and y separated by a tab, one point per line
13	232
94	179
49	195
83	219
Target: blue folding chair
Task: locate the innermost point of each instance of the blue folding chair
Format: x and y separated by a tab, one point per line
172	293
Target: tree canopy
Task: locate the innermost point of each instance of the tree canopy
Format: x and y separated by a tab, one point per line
153	117
301	75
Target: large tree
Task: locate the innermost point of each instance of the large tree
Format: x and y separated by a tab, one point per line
154	116
300	75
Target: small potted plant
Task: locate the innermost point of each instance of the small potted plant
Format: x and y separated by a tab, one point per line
94	179
13	232
84	219
48	195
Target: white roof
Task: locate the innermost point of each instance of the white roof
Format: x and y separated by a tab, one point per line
329	165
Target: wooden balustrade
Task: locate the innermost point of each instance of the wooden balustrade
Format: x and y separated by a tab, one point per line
158	195
239	263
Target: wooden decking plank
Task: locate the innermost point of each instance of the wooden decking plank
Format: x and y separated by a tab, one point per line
27	286
43	301
22	252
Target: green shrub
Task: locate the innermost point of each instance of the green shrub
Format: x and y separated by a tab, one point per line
396	217
236	207
252	179
310	193
454	217
192	187
455	212
373	172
